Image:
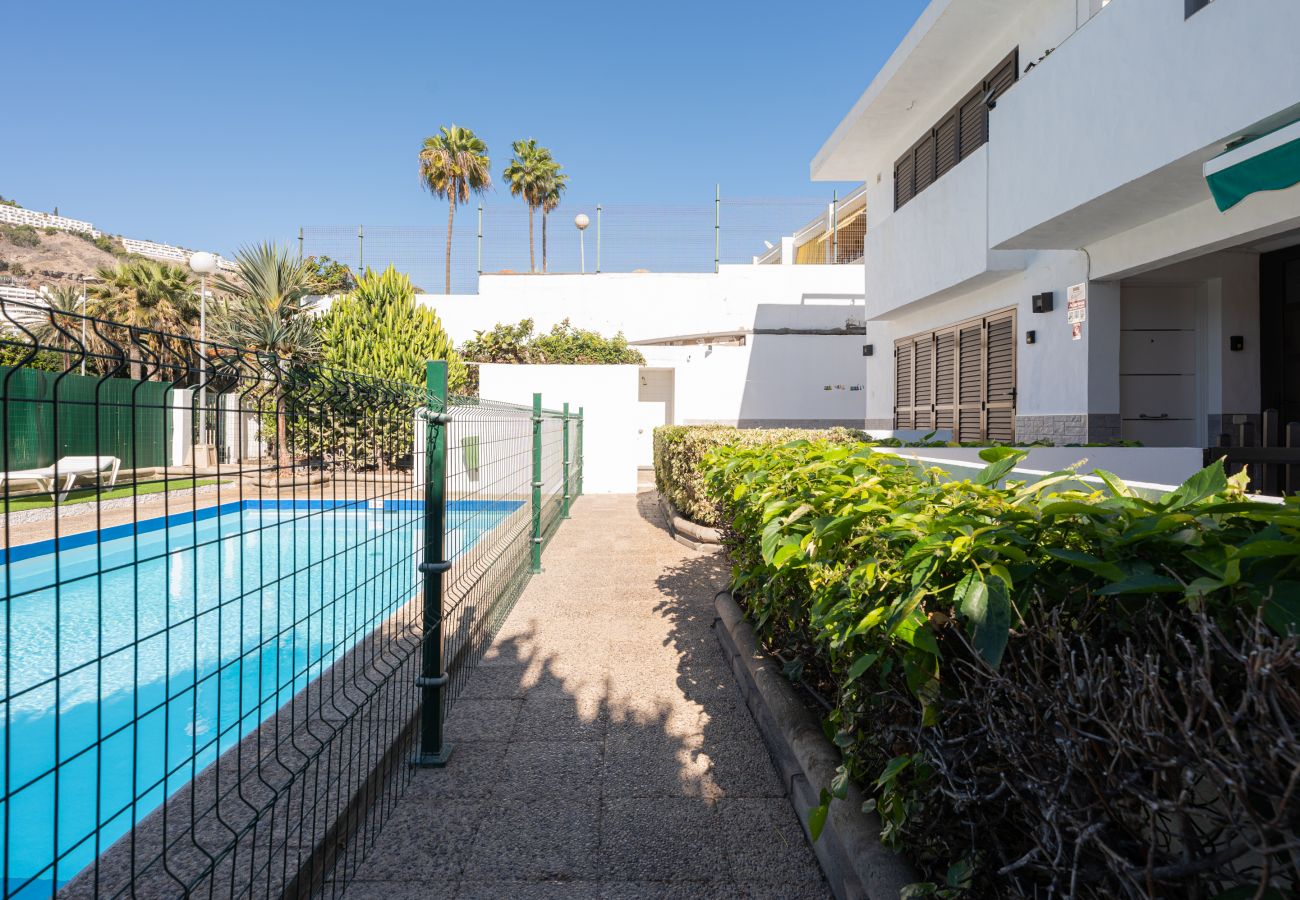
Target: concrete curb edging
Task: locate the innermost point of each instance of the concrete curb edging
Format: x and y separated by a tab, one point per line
856	865
686	532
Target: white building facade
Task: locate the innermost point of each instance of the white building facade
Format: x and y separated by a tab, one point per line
1043	257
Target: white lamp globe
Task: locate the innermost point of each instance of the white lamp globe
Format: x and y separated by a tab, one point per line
204	263
581	221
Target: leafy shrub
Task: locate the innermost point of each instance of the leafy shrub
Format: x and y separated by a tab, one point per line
562	345
18	269
1046	692
20	235
679	452
331	276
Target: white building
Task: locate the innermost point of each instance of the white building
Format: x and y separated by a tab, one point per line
750	345
1043	257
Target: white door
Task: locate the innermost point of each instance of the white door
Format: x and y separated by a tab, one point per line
655	402
1159	391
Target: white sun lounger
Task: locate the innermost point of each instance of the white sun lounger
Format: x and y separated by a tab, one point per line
70	468
43	478
62	476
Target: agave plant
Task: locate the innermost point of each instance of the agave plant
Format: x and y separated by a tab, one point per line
453	164
266	312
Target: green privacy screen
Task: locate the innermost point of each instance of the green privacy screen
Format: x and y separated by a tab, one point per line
132	418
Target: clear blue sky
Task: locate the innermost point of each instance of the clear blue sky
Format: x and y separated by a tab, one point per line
214	125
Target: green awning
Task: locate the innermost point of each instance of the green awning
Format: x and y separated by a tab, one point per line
1269	162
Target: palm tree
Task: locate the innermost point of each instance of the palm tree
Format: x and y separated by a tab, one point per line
60	325
454	163
267	311
555	183
526	176
147	294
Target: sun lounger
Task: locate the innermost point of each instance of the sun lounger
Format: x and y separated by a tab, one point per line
42	478
70	468
61	477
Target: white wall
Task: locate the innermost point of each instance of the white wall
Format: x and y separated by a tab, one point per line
1136	89
608	395
772	380
655	304
1053	374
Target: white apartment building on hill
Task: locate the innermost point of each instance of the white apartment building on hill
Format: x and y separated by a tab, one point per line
1044	258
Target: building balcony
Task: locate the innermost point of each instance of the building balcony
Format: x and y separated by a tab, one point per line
1112	129
937	244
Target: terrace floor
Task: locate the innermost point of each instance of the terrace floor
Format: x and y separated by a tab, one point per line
602	749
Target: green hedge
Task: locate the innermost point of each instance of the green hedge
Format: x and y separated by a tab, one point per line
1045	692
679	452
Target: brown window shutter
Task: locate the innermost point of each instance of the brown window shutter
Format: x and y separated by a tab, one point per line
903	384
924	163
945	145
945	378
970	382
903	190
972	124
1003	76
1000	380
923	389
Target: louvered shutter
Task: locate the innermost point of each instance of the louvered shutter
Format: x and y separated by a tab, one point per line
945	378
924	163
903	384
972	123
1003	77
970	382
903	190
945	145
923	382
1000	377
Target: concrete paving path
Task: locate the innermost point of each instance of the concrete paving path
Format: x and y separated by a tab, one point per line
602	749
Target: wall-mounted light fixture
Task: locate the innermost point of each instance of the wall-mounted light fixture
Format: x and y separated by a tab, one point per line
1030	336
1237	343
868	350
1043	302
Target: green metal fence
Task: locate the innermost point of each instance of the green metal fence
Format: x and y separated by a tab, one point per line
56	414
222	690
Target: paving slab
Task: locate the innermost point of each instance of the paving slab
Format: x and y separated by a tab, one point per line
602	748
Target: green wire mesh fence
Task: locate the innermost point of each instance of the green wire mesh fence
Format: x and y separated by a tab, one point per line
236	592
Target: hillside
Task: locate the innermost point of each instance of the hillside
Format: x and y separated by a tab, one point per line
56	258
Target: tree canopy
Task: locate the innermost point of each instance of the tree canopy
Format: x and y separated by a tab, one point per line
563	344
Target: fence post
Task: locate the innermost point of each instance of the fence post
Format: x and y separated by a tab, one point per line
564	514
361	250
480	238
434	750
580	460
299	245
597	238
835	216
717	226
537	484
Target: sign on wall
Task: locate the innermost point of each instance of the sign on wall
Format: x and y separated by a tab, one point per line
1076	309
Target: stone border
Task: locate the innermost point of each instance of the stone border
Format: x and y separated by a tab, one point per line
856	864
686	532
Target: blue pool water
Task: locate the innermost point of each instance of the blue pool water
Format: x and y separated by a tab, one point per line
159	650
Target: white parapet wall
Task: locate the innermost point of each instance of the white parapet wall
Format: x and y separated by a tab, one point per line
16	215
608	395
650	305
1141	465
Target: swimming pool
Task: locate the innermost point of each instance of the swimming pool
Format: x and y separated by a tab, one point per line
134	656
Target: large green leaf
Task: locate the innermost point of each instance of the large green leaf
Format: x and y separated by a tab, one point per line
1206	483
987	608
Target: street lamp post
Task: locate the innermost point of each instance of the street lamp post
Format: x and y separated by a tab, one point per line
581	222
204	264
